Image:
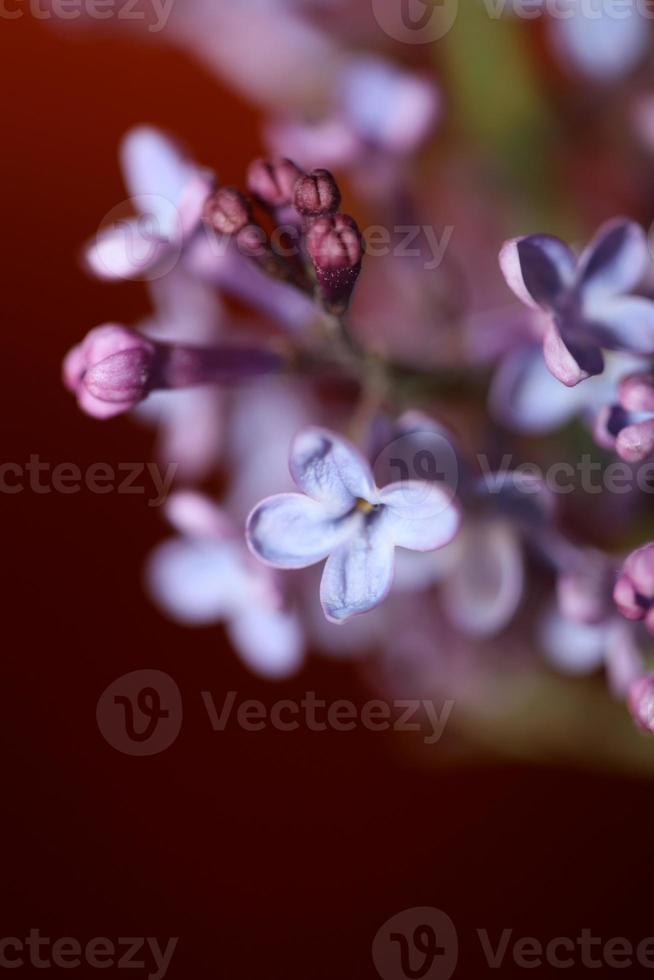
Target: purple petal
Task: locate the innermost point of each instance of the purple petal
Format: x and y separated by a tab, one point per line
573	648
602	46
153	165
270	641
420	516
290	530
614	262
570	364
539	269
198	582
359	573
624	324
195	515
484	590
526	397
331	470
388	107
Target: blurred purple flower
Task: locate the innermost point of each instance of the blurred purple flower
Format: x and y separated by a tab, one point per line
343	517
584	300
206	575
168	192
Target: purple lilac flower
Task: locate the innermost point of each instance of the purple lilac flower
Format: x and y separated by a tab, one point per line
585	300
342	516
206	575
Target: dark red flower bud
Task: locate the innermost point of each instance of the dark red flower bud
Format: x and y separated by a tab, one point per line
336	249
272	181
316	194
227	211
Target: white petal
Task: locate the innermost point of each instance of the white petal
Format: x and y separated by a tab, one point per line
421	516
290	530
331	470
484	590
197	582
358	574
128	251
270	641
614	262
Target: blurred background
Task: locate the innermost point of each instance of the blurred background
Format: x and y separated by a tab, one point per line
268	854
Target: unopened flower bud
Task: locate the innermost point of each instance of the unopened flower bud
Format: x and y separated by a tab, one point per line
336	249
636	441
636	393
114	368
316	194
641	703
634	589
272	181
111	371
227	211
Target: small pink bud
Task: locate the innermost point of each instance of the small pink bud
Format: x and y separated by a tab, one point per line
641	703
636	442
336	249
227	211
634	589
636	393
316	194
272	181
111	371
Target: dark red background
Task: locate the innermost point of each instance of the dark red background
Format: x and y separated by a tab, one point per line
269	855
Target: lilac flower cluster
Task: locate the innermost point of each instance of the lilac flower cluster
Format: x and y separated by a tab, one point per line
368	416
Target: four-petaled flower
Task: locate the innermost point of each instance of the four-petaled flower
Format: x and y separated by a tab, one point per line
584	299
344	517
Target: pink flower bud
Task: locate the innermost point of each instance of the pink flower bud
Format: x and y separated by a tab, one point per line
111	371
634	590
336	249
227	211
272	181
316	194
636	442
636	393
641	703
